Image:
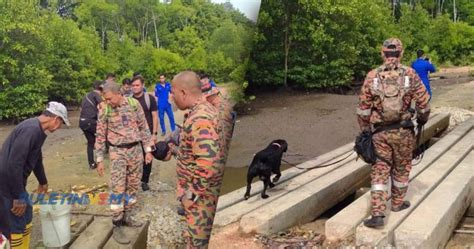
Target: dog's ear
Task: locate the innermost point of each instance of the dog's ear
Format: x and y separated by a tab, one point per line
285	147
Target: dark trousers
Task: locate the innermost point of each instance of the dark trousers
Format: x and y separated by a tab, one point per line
4	216
10	223
88	126
146	172
146	169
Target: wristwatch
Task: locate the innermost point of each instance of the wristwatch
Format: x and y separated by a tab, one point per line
155	133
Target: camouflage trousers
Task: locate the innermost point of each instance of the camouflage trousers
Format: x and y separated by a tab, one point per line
199	218
395	147
125	177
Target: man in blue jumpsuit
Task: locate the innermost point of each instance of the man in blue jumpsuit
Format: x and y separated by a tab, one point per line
423	67
162	91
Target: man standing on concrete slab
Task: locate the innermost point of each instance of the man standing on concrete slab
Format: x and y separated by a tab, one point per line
199	166
384	109
20	155
162	91
149	107
123	126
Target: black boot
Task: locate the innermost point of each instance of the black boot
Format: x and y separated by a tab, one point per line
405	205
93	166
374	222
145	186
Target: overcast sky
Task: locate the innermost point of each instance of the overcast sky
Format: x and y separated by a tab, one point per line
248	7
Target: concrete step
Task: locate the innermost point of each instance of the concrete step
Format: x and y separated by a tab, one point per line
437	123
237	196
433	221
344	223
82	222
419	188
137	236
235	212
96	235
308	201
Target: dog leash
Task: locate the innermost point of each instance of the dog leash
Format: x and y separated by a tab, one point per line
321	165
422	147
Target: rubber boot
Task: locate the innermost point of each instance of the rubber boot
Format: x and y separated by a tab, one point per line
405	205
374	221
130	221
119	235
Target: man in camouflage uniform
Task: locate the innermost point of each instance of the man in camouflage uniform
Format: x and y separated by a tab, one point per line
199	157
122	125
226	116
385	109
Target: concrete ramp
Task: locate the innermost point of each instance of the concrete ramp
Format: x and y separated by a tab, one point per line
229	215
98	235
307	202
343	224
418	189
302	196
433	221
237	196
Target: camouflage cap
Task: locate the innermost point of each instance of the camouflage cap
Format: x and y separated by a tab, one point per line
393	43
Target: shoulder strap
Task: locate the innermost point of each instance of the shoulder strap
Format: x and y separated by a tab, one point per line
108	110
132	102
147	101
405	78
90	101
376	80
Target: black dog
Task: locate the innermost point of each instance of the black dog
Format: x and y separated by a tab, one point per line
265	163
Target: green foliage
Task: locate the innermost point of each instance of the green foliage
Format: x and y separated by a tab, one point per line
320	44
46	56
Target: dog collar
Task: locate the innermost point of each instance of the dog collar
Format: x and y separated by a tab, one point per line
277	144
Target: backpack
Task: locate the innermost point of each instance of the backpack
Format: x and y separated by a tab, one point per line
391	87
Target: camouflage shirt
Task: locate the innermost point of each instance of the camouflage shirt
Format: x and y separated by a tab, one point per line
225	118
370	103
124	124
198	168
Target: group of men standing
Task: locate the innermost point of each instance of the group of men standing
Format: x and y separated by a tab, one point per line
127	126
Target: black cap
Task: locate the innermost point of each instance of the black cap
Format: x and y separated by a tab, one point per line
161	150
